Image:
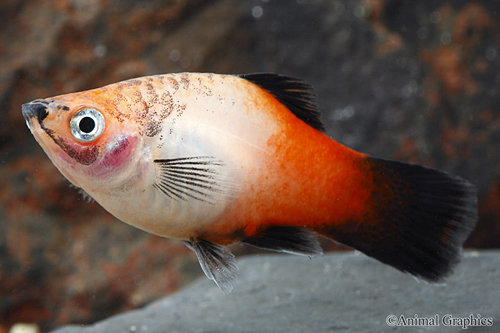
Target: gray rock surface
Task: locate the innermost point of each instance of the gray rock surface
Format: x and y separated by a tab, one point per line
341	292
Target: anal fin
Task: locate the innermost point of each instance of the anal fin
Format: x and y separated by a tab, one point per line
217	262
294	240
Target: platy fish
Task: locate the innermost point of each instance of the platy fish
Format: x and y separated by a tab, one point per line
214	160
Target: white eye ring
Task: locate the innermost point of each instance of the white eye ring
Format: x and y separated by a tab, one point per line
87	125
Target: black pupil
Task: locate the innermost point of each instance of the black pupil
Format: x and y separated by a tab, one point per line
87	125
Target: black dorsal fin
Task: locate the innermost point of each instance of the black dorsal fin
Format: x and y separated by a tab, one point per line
296	94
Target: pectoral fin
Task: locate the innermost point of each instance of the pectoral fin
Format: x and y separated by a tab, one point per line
191	177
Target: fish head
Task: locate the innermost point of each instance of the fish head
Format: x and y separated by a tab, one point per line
87	139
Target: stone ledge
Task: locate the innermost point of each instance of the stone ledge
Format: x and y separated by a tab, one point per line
344	292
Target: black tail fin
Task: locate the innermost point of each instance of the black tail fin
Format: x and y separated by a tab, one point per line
421	218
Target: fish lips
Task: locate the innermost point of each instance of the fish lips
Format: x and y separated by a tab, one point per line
37	109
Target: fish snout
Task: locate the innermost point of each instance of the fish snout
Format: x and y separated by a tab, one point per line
37	108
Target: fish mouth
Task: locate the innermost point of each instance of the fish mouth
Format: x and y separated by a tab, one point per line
37	109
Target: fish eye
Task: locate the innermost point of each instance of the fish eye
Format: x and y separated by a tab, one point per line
87	125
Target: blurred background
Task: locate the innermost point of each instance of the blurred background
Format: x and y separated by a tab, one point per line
416	81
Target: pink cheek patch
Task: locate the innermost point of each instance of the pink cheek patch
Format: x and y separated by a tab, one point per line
119	153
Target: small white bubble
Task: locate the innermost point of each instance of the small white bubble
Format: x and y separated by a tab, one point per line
410	89
133	328
359	11
257	12
491	53
175	55
100	51
445	38
343	114
435	17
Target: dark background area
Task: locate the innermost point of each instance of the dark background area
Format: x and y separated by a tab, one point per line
416	81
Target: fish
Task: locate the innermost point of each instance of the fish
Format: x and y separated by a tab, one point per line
214	160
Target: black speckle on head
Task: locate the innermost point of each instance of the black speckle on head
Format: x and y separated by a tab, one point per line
134	82
185	81
153	128
65	108
174	84
84	156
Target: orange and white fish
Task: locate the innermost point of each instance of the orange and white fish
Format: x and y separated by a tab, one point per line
215	160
